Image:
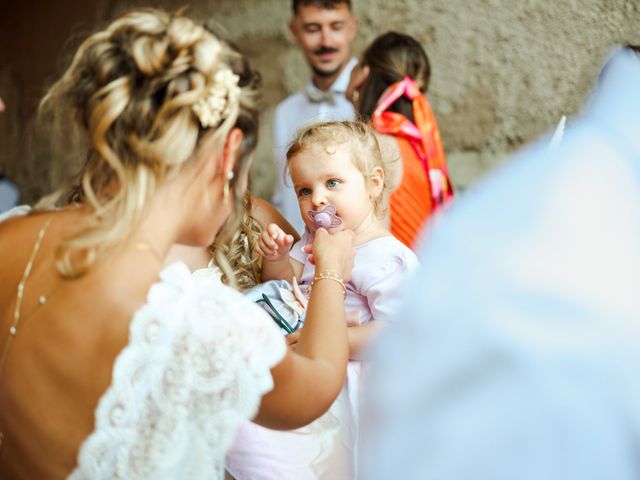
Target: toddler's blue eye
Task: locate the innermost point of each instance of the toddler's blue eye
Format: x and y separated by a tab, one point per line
333	183
303	192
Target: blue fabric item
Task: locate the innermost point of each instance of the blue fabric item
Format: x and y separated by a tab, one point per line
281	311
516	355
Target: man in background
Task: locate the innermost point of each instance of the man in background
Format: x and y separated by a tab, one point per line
324	29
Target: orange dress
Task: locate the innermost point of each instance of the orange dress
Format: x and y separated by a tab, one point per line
411	203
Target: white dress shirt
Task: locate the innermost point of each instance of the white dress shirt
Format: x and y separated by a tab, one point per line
517	355
303	108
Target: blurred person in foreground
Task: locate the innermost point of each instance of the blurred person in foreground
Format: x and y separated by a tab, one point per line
518	356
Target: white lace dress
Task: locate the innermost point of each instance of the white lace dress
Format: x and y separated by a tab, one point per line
195	368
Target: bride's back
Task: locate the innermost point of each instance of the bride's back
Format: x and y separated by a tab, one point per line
169	115
60	359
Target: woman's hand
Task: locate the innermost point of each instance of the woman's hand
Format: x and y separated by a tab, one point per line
274	243
333	252
312	373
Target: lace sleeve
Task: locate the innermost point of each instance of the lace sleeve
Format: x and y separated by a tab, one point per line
197	363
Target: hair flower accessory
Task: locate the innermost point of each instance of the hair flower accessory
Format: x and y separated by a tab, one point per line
222	95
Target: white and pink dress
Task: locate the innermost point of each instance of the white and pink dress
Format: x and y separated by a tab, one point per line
325	449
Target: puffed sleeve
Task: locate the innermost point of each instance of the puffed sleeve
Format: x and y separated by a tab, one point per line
384	283
196	366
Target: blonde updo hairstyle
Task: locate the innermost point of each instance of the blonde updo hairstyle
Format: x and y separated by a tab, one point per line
357	136
132	88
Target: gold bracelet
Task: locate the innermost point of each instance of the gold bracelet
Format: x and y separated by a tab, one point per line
328	276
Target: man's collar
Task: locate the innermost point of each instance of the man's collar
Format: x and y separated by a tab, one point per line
341	83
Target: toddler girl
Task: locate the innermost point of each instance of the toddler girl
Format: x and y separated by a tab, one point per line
338	176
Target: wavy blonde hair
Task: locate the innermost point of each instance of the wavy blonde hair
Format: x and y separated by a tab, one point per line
358	137
131	87
237	256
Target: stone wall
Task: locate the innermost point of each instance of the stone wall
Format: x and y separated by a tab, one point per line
36	39
504	71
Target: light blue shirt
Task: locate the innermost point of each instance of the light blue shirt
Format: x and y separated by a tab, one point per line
517	355
9	194
294	112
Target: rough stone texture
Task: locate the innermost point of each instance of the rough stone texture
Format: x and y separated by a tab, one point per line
504	71
36	39
9	122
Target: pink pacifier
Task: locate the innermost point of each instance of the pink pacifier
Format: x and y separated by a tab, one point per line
325	218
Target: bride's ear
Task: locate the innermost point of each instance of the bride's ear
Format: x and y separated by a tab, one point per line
231	152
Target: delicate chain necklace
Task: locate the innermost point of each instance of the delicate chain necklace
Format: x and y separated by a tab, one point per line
146	247
42	299
13	328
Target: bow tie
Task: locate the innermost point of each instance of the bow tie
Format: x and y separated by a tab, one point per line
318	96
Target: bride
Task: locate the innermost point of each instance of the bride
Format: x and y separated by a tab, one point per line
113	365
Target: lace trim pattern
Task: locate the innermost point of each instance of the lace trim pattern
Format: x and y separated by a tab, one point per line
195	368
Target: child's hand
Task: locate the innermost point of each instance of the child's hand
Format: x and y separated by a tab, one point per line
273	243
292	339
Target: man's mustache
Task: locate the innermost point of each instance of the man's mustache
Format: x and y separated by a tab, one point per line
323	50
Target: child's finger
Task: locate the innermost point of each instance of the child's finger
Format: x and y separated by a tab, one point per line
268	241
261	243
274	230
281	238
288	240
263	250
259	250
292	338
352	317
